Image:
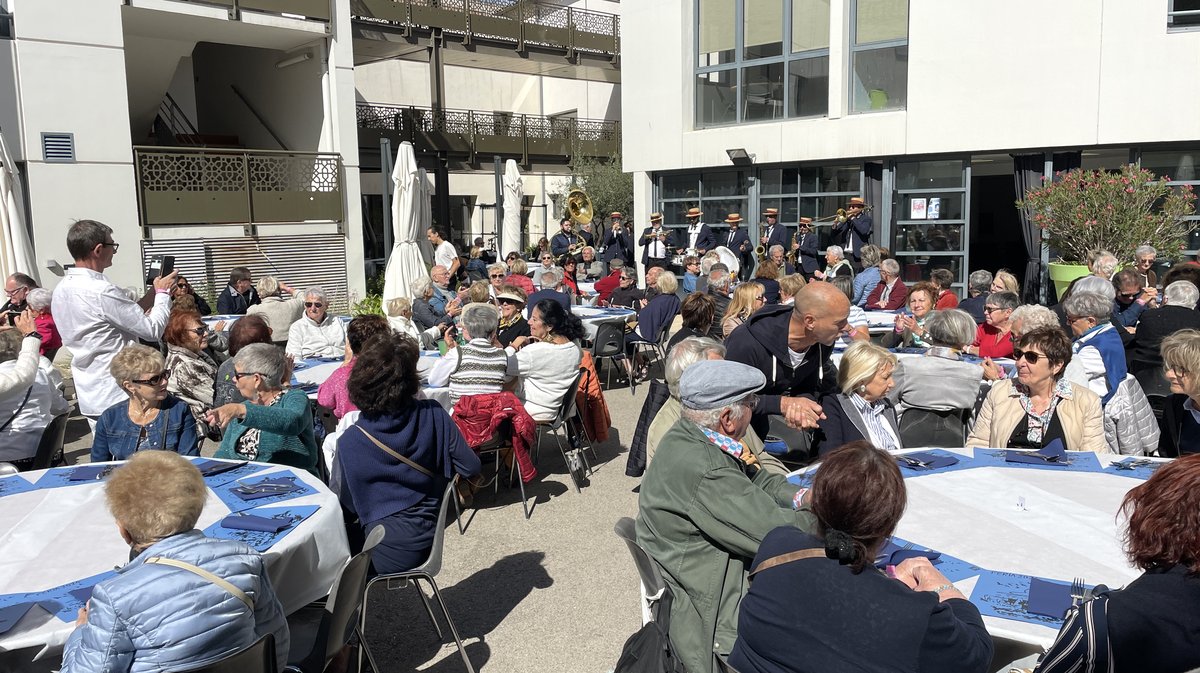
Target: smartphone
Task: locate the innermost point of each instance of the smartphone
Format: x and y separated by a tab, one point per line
160	266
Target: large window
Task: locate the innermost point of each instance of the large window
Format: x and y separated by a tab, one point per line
761	60
878	55
813	191
930	214
717	193
1183	14
1180	168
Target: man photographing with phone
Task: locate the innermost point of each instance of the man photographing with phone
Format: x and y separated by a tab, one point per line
96	319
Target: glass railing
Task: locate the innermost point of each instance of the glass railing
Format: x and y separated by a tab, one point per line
524	22
211	186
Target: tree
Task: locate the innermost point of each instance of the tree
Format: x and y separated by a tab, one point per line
609	187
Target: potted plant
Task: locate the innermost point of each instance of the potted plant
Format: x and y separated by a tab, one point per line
1083	211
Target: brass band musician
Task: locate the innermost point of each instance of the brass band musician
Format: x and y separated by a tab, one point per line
616	242
657	243
773	233
567	241
738	242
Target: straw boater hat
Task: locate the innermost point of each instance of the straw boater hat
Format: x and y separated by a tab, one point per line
733	218
510	296
656	217
694	212
615	215
805	221
856	201
771	212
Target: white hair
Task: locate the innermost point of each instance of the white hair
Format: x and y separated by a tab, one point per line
1180	293
1143	250
711	418
1105	265
685	354
1089	305
774	248
420	286
1095	284
836	251
891	266
39	298
1031	317
317	292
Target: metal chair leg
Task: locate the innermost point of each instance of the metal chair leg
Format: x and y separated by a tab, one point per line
520	484
453	629
363	649
428	609
566	461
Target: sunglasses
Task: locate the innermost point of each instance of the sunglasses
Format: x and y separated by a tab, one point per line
510	302
155	380
760	298
1030	356
495	275
1129	295
201	330
313	304
991	309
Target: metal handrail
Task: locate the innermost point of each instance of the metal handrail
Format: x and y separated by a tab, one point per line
392	118
227	150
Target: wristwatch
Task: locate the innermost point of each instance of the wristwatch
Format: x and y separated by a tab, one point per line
35	334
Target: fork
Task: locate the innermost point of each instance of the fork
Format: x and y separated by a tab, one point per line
1077	591
913	462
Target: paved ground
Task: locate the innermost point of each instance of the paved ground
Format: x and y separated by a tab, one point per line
555	593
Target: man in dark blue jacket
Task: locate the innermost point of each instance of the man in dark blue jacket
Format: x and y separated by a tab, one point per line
239	295
738	242
774	233
808	254
698	236
793	346
617	243
855	232
657	243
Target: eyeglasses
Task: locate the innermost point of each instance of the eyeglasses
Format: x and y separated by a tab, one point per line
1032	357
495	275
201	330
1128	295
12	293
156	380
313	304
238	376
1075	318
114	246
991	309
760	298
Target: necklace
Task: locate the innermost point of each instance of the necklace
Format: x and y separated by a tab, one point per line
143	416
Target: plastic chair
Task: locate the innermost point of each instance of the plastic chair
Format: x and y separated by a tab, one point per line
654	587
500	441
339	620
566	411
927	427
609	343
257	658
50	447
426	571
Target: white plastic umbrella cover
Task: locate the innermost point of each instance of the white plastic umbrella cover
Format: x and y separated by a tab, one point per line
514	191
16	250
405	262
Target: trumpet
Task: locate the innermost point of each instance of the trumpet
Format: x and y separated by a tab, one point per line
836	218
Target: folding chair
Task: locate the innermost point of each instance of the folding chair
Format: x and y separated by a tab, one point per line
566	412
609	343
426	571
257	658
50	448
500	441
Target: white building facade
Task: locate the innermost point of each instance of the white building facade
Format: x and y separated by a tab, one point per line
929	109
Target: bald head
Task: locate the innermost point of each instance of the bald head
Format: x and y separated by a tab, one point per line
821	299
820	315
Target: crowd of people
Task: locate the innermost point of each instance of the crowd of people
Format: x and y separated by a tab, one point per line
779	355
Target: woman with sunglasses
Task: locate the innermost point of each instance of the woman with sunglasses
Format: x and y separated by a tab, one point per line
184	287
274	424
993	338
512	315
193	370
747	298
151	418
568	266
1040	406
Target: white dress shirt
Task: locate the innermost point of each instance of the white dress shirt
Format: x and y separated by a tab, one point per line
693	234
96	320
29	417
20	375
308	339
658	249
445	254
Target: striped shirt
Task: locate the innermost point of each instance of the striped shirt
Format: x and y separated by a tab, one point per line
1082	645
880	430
482	369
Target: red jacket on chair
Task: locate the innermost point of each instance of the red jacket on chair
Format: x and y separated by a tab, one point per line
478	417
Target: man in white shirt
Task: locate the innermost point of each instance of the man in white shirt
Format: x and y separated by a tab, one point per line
96	319
317	334
444	253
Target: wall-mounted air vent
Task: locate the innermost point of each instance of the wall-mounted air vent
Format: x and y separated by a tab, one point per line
58	147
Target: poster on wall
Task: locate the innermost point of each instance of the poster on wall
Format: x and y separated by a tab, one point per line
934	210
916	209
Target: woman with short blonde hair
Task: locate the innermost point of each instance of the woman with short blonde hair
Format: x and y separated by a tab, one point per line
747	298
151	418
1181	362
862	409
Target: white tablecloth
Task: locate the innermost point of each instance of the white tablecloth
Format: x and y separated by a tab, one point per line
321	371
1066	528
54	536
593	317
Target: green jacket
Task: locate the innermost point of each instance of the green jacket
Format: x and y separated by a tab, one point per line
702	514
287	432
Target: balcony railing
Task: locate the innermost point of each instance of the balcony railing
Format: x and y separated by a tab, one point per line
212	186
526	22
487	133
318	10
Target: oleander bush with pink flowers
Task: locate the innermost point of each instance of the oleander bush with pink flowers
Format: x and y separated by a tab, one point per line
1081	210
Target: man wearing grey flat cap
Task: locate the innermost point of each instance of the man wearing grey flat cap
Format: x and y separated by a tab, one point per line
705	506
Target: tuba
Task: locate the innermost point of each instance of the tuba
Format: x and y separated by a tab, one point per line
579	206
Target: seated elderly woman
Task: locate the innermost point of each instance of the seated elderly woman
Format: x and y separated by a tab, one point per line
934	393
193	372
273	425
151	418
789	285
38	299
992	338
161	612
910	327
26	411
513	324
1028	317
590	268
859	326
1004	281
653	320
183	288
1040	405
399	317
943	280
395	462
496	273
250	329
696	311
1099	355
747	298
826	608
767	275
425	314
1150	625
835	264
517	276
332	393
1181	362
280	312
569	268
317	333
861	410
477	367
867	279
547	361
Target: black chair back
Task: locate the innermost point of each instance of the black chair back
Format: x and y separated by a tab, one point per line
610	340
926	427
258	658
648	571
51	445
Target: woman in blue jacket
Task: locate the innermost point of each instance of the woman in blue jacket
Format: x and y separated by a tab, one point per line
158	613
151	418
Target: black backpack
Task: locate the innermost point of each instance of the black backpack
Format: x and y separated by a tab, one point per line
649	649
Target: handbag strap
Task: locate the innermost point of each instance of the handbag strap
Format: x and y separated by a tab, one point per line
787	558
16	413
386	449
223	583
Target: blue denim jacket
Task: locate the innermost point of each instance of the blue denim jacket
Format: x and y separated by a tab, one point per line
116	436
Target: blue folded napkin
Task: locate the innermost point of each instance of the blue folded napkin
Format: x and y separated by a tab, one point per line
210	467
11	614
252	522
893	554
265	488
1048	597
90	472
775	446
1052	454
932	460
909	350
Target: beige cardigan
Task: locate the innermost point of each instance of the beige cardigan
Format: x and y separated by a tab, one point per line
1081	417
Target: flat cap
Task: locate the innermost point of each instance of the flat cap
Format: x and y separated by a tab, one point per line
712	384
